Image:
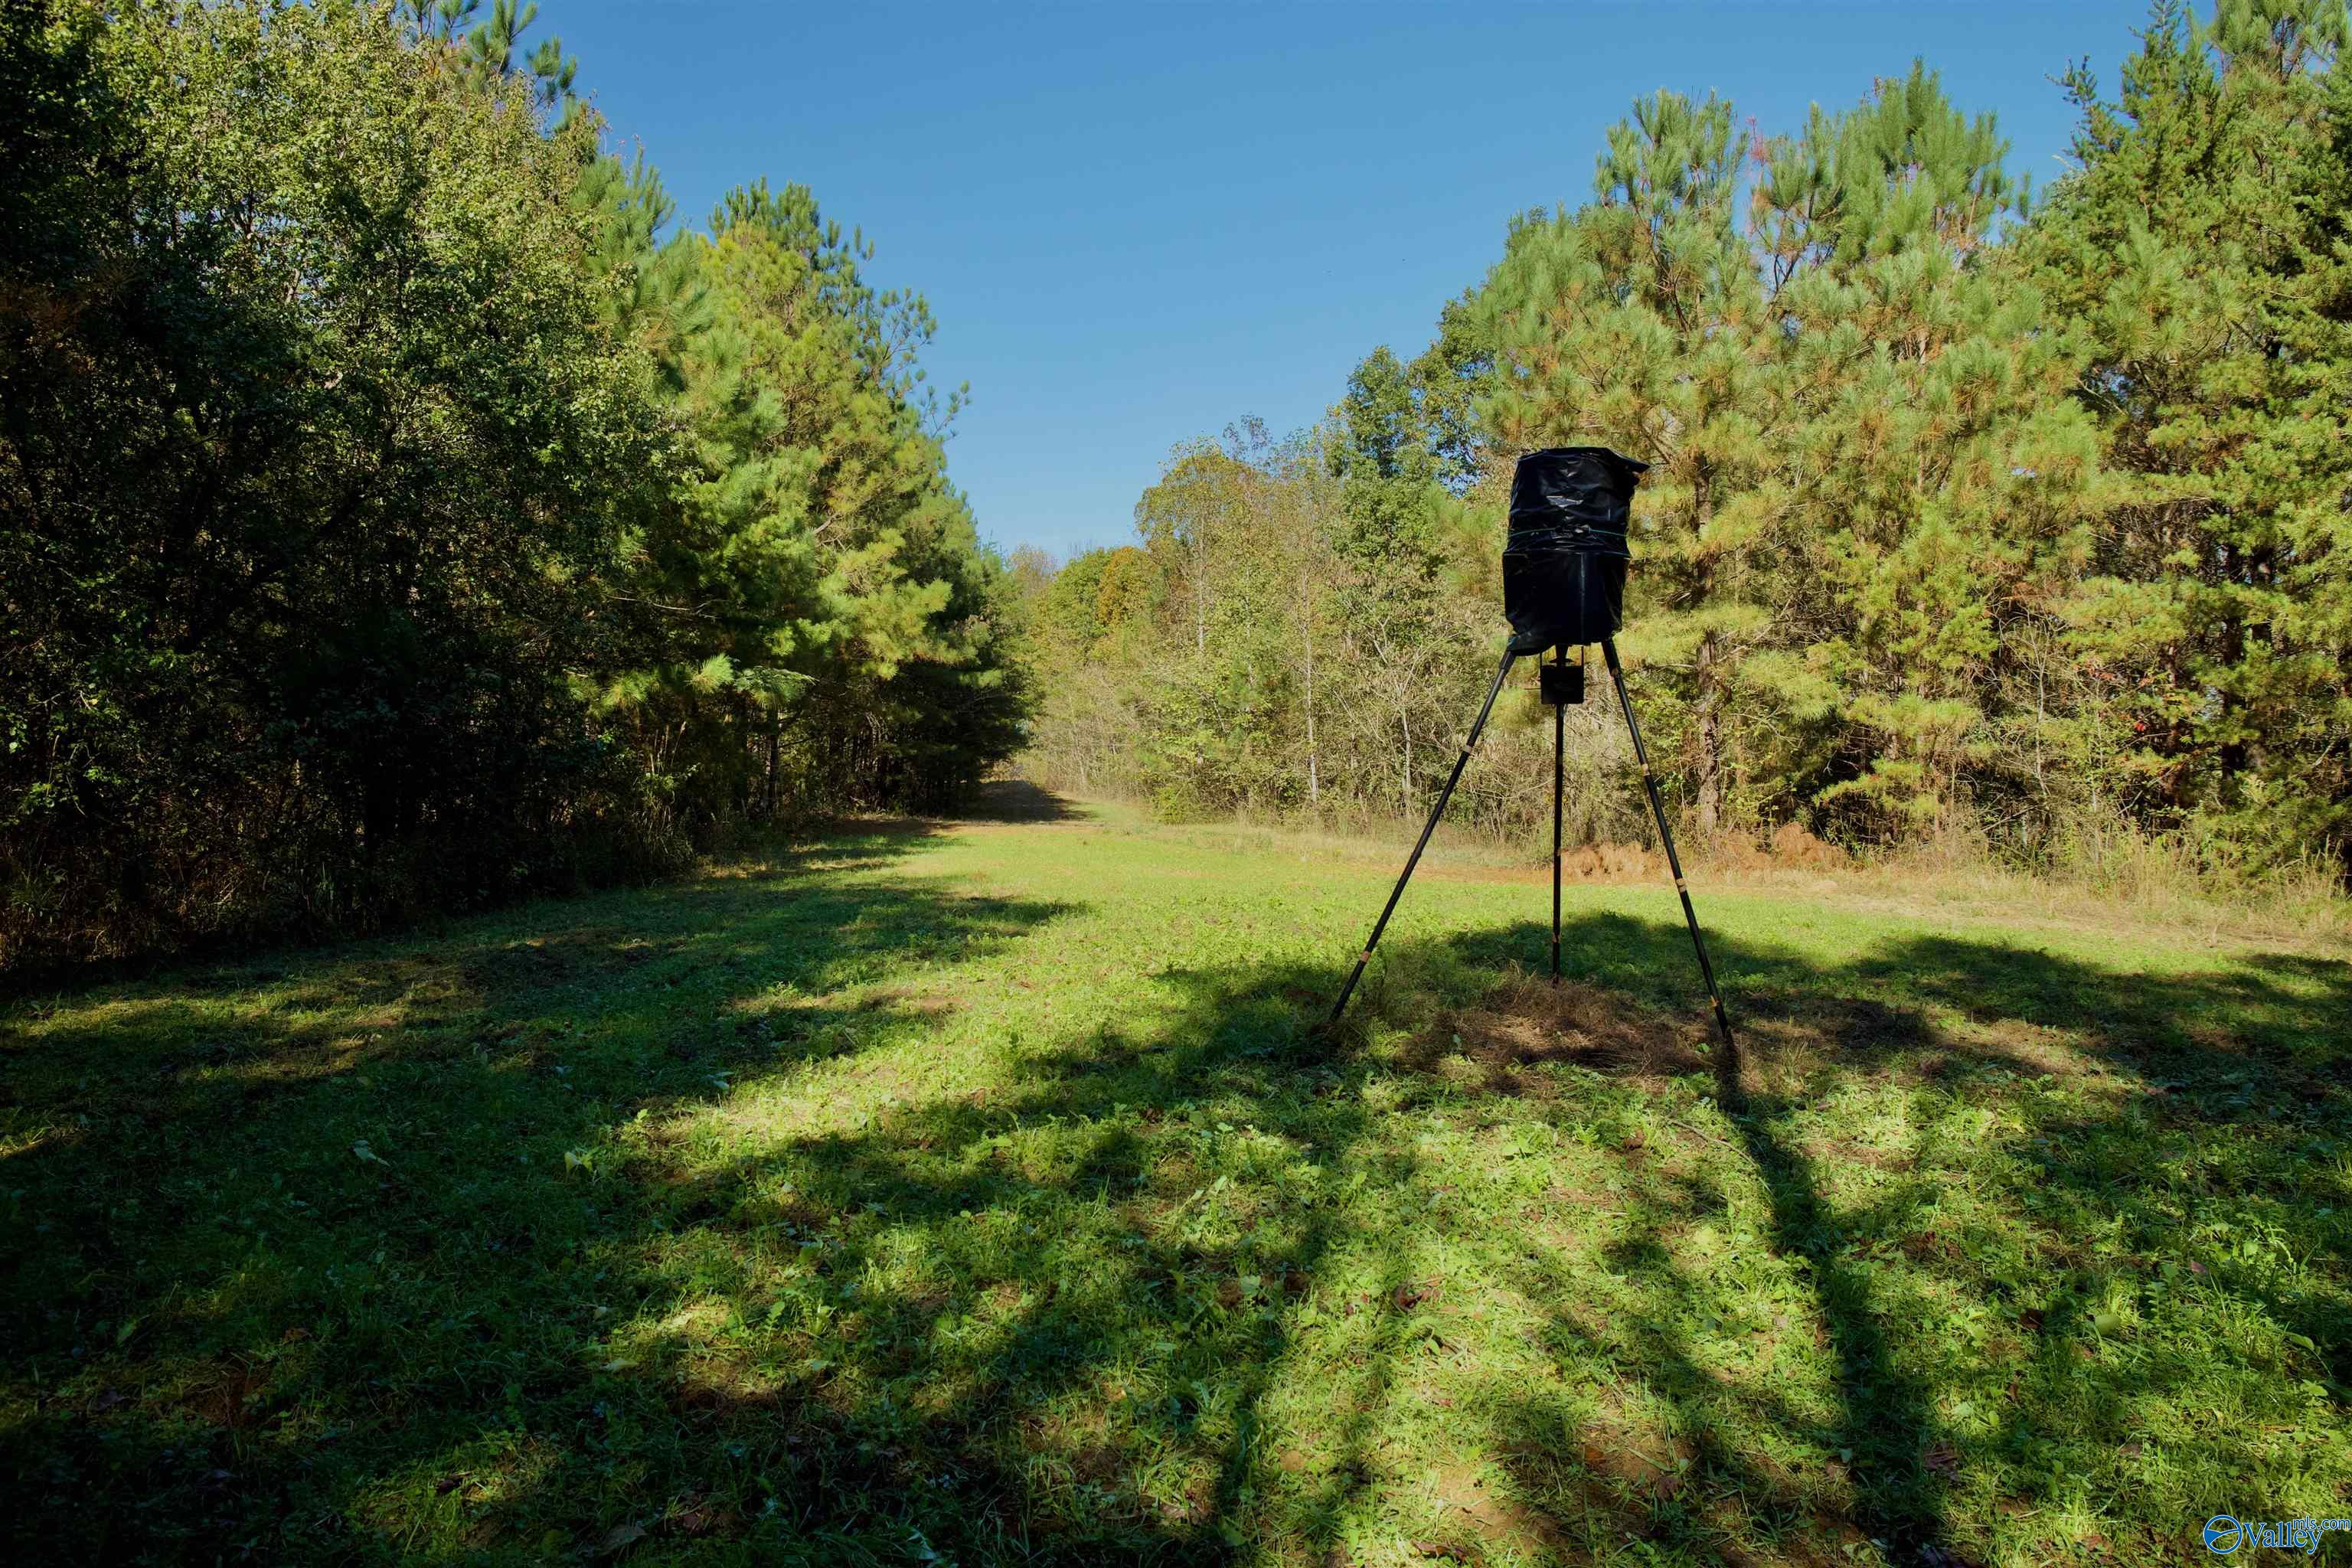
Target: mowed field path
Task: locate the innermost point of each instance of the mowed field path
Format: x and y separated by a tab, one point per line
982	1192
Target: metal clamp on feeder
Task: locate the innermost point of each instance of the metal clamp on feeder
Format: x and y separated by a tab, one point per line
1563	587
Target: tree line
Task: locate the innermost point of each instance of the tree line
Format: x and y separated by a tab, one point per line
1971	515
398	510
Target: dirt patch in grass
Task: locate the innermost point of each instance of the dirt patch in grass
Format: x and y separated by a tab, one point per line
1656	1467
232	1395
1501	1044
1493	1519
1526	1023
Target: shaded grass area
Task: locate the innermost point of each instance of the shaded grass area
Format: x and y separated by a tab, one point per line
980	1193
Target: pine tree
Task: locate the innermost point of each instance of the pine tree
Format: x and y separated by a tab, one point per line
2200	253
1857	467
486	50
1638	321
1933	471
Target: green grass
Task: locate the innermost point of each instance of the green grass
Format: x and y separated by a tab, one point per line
979	1194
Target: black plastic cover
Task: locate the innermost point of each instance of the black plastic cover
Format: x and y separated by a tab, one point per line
1564	563
1587	488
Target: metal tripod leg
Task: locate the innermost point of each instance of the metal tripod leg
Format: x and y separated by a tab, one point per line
1558	754
1468	745
1665	836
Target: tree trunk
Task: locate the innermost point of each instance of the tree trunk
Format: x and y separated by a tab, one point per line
1314	786
1708	711
1707	733
1201	601
1404	720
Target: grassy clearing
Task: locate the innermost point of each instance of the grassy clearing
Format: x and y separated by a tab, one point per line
2111	879
977	1193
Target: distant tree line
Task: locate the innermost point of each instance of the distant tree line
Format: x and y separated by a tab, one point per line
395	514
1969	516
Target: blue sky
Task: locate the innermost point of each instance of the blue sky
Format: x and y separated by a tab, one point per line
1137	223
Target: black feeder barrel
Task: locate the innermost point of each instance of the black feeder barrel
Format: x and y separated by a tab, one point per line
1564	563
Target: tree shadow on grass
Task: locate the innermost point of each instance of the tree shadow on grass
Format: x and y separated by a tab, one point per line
1054	1325
2017	1351
1019	801
1178	1286
1027	1325
286	1242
